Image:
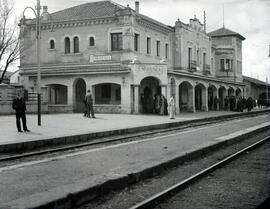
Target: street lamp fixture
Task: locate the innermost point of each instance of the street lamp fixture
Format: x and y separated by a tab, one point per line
38	37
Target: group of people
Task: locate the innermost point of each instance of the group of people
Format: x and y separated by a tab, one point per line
238	103
232	103
158	105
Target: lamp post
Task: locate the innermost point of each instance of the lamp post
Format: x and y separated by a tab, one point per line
37	14
267	82
266	90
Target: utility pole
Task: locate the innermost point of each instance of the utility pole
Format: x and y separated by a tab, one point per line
266	90
38	37
38	62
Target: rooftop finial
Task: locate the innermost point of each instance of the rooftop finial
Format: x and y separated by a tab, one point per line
204	21
223	16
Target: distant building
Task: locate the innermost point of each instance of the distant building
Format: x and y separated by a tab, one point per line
15	77
6	77
126	58
255	88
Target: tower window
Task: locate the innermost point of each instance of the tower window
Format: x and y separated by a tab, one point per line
148	45
52	44
116	41
136	42
91	41
166	50
67	45
158	48
76	44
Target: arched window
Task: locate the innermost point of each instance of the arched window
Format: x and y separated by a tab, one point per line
67	45
76	44
91	41
52	44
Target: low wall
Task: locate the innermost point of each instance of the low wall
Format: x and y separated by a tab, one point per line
59	108
62	108
31	107
107	108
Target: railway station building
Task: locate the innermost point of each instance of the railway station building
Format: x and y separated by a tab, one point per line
123	56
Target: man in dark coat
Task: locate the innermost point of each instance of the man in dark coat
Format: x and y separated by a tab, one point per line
89	103
19	106
249	104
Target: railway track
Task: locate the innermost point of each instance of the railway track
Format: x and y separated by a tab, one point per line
114	139
163	195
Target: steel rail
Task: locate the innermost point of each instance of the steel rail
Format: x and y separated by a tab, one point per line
159	197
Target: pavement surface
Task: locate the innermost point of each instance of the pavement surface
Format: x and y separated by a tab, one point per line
65	180
60	125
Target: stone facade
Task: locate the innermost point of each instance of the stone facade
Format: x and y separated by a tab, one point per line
126	58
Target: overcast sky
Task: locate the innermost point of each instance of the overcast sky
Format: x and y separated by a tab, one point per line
250	18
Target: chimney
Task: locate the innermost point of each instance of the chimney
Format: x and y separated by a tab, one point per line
137	3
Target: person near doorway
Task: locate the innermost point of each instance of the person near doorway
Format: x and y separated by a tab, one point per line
89	103
216	103
19	106
162	105
171	107
226	103
165	106
143	103
85	107
157	104
249	104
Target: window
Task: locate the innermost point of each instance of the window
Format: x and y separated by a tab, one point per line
91	41
106	91
166	50
136	42
118	94
158	48
189	57
198	57
204	61
148	45
52	44
76	44
228	65
116	41
67	45
222	65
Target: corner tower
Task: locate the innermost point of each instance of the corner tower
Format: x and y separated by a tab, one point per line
227	50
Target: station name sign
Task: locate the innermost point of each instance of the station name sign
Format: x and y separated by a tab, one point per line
151	69
97	58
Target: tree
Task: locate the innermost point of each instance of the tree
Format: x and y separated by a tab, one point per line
9	40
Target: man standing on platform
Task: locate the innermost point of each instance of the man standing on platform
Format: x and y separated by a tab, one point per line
89	103
19	106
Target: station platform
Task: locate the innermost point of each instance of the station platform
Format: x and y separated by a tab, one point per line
70	128
67	180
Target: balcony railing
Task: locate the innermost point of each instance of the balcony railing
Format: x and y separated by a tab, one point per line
193	66
206	69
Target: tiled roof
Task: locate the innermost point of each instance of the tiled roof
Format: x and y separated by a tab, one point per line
225	32
255	81
91	10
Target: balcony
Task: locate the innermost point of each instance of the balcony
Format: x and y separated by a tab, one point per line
193	66
206	69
